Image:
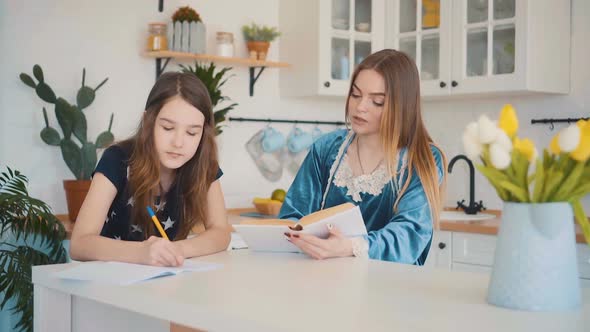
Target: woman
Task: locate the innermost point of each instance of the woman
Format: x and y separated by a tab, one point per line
387	164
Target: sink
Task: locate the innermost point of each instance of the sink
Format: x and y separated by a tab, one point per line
461	216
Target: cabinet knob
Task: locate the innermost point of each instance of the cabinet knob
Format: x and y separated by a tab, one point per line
327	84
454	84
441	245
442	84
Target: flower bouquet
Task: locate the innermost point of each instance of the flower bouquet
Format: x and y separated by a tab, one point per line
561	175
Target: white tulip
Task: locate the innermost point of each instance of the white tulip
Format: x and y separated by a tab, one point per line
472	130
499	157
488	131
503	140
569	138
471	146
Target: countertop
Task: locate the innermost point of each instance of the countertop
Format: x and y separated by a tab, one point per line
290	292
489	226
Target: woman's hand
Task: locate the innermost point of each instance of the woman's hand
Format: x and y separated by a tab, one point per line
162	252
336	245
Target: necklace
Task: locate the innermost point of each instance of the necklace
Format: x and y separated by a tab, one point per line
358	155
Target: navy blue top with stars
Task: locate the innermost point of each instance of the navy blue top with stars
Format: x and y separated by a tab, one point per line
114	166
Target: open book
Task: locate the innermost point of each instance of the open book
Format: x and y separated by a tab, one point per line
269	234
126	273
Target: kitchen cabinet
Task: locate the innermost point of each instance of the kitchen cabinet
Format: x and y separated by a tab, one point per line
475	47
475	253
324	41
440	250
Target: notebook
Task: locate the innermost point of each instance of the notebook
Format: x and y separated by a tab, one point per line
126	273
269	235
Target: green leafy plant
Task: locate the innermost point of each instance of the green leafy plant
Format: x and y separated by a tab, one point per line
81	156
186	14
254	32
26	220
213	81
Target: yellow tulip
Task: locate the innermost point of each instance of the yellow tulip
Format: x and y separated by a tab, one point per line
582	152
508	120
554	145
526	147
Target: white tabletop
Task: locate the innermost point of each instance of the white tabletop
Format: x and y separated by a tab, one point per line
278	292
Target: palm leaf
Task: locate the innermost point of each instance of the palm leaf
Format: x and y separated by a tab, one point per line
15	281
213	81
25	218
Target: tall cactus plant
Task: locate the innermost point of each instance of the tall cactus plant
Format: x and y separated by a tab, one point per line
79	154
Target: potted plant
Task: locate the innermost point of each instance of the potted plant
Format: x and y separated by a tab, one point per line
77	151
258	39
30	235
189	33
535	264
213	81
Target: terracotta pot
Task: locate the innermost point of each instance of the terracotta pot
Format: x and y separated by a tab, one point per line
76	191
258	49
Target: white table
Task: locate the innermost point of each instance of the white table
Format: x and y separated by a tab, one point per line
290	292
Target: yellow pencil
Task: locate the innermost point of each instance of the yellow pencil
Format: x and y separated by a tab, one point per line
157	222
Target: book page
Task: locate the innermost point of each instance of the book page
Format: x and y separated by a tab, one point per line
271	238
119	273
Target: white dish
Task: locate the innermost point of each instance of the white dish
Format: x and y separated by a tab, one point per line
363	27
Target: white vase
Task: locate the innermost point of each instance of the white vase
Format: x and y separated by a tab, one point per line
184	39
197	38
535	263
170	36
177	36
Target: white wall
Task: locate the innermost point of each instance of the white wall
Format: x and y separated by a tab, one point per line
107	38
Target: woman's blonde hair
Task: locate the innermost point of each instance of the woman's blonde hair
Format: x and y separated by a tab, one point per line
402	125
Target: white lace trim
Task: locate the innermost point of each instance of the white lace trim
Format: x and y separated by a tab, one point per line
335	165
365	183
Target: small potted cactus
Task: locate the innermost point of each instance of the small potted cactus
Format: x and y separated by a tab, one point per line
78	153
258	39
189	33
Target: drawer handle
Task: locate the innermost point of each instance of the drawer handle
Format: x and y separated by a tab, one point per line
441	245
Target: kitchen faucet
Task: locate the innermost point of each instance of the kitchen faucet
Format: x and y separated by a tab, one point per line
473	207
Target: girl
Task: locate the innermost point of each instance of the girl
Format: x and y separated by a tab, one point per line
387	165
170	164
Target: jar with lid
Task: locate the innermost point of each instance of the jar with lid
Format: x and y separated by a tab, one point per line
225	44
157	40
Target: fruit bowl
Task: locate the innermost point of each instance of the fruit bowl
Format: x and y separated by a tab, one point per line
267	206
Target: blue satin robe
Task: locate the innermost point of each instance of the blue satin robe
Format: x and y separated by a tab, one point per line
403	237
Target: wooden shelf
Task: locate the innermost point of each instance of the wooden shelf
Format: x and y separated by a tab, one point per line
216	58
251	64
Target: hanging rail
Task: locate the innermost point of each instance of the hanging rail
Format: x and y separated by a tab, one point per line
551	122
337	123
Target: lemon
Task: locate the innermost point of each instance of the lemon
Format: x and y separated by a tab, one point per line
278	195
260	200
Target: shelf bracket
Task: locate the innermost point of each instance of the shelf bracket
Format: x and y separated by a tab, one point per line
254	78
159	67
160	5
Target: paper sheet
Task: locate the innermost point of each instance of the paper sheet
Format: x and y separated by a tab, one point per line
125	273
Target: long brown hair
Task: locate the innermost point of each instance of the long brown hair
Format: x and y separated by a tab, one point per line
402	124
193	179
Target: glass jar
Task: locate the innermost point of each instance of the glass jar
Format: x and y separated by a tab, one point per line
157	40
225	44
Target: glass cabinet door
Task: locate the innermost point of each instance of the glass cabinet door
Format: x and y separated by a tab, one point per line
351	36
490	37
418	35
421	29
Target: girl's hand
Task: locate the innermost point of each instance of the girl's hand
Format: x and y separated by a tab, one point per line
161	252
336	245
